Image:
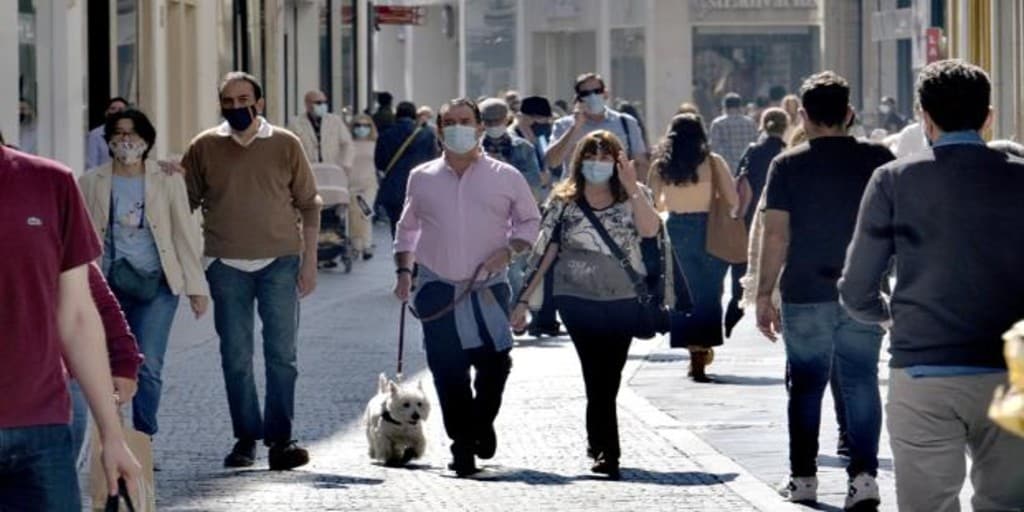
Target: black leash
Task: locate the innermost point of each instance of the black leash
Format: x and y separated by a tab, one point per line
401	340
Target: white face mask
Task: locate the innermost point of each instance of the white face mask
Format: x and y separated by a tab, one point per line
320	110
495	132
598	172
128	151
595	104
361	131
460	139
884	109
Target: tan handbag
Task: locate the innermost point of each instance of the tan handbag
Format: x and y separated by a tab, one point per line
144	498
726	236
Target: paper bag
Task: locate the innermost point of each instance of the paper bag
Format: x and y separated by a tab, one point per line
144	498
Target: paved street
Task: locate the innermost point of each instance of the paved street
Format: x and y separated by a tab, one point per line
686	446
348	335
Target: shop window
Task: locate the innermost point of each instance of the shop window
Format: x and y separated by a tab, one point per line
629	73
491	46
348	55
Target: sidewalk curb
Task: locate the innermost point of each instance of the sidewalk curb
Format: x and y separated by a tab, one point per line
745	484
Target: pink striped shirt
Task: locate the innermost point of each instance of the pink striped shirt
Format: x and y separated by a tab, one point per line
453	224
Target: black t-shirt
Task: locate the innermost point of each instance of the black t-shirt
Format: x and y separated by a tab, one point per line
820	184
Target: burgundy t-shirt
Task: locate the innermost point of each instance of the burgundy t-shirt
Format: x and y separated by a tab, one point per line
44	231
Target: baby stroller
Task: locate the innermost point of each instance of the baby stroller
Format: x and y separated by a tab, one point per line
333	243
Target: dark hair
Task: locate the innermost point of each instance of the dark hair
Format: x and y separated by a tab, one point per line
682	151
732	100
459	102
826	98
761	101
571	188
1008	146
140	123
562	104
384	99
584	77
776	93
406	109
774	121
118	99
955	94
235	76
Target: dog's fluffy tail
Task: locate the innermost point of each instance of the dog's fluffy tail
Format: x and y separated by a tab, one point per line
382	383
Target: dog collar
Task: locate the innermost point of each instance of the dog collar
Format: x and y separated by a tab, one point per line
386	416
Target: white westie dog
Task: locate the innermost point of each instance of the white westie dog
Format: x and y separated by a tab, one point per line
394	422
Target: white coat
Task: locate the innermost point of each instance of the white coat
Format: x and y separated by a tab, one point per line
334	145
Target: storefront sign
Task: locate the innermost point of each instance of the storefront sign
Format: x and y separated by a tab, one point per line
397	15
704	7
933	44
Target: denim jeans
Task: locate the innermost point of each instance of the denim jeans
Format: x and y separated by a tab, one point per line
517	273
234	293
466	414
705	276
821	338
150	321
37	470
79	421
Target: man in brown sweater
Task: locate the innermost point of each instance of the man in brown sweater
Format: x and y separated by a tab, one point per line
253	183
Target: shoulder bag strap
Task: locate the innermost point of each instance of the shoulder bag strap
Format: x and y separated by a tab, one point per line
110	221
620	255
629	138
402	149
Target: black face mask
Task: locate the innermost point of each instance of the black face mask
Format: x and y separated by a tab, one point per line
24	118
239	118
541	129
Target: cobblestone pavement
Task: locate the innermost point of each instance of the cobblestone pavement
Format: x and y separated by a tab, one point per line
743	415
348	335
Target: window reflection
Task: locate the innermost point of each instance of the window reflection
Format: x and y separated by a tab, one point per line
491	51
127	49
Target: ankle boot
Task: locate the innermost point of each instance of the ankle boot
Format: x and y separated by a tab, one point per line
698	362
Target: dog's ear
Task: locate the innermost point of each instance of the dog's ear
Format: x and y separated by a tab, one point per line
393	388
382	383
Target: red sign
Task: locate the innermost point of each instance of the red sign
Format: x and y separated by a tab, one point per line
933	44
395	15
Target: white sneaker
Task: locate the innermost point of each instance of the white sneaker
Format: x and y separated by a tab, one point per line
800	489
863	492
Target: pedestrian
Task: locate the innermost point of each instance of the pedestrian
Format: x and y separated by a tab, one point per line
686	177
362	184
399	149
599	307
687	107
776	94
325	137
465	218
512	99
261	222
501	144
791	104
732	131
590	114
28	127
384	117
889	119
808	223
48	322
628	108
97	152
950	217
750	179
151	247
425	116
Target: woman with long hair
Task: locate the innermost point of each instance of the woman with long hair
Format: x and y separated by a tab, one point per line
682	180
592	291
362	184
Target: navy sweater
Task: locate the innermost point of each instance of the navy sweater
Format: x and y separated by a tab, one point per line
953	218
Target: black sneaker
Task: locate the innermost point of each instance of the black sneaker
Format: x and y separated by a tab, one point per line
287	455
464	468
733	314
242	455
607	467
537	330
487	444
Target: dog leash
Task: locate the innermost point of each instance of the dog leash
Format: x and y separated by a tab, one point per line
458	300
401	340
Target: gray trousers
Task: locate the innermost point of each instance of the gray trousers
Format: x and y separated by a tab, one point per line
932	422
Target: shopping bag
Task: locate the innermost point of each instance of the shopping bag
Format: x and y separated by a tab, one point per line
144	497
1007	408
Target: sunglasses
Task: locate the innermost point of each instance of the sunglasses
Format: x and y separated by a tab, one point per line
360	125
584	94
324	102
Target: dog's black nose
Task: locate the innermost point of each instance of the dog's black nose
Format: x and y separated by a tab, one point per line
415	416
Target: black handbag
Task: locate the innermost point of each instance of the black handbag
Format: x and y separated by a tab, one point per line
122	276
652	315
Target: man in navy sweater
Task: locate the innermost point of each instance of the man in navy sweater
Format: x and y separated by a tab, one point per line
951	218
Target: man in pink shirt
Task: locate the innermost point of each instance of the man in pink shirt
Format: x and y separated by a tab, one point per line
465	216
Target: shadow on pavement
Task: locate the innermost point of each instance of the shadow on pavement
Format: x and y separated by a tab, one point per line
313	479
747	381
832	461
521	475
686	478
820	506
541	342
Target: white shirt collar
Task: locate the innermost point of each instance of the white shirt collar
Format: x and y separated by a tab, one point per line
265	132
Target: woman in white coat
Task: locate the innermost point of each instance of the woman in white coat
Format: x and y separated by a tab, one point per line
362	183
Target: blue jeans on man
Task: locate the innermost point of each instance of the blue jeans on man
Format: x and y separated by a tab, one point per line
37	469
234	294
821	338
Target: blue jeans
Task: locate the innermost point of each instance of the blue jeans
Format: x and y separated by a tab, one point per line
79	421
822	338
150	321
704	274
37	470
234	293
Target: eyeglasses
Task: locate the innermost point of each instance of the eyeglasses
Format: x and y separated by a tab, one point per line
584	94
360	125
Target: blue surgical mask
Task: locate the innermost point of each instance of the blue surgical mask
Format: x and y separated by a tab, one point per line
239	118
361	131
496	132
597	172
460	139
595	104
320	110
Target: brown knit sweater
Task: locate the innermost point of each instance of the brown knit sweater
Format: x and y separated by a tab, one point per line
252	197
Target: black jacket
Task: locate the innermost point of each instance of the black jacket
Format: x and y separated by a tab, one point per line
422	149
